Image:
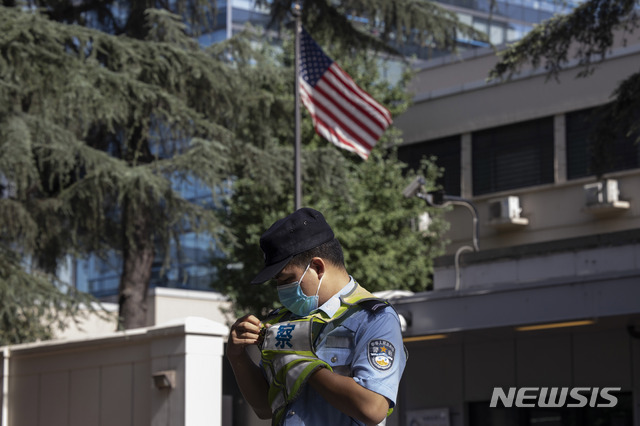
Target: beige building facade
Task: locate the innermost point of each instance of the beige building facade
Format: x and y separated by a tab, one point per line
551	300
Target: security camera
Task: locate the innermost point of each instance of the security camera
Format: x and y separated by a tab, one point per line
414	187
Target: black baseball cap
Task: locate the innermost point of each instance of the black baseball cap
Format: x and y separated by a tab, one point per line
302	230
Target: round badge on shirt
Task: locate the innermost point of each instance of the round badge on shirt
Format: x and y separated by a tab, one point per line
381	354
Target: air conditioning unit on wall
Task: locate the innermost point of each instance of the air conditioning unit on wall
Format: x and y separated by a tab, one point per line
604	197
505	213
604	192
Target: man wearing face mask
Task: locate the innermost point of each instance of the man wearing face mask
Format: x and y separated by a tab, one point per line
333	355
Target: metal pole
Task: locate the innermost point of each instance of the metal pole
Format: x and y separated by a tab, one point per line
452	199
439	199
297	147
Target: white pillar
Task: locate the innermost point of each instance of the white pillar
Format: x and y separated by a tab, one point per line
203	381
560	149
195	358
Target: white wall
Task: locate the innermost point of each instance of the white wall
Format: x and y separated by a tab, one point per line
166	304
90	324
108	380
163	305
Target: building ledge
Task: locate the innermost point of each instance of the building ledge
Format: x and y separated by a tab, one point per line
590	298
619	238
608	209
509	224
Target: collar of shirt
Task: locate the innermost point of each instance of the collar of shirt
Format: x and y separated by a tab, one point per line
330	307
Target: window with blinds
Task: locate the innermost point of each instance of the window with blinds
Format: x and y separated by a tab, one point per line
447	151
585	157
514	156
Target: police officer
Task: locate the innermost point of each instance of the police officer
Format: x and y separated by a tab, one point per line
333	355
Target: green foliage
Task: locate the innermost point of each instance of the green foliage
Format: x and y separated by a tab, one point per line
120	17
376	24
362	200
586	34
94	119
376	225
98	131
32	306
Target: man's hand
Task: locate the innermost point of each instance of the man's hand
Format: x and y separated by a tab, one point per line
244	332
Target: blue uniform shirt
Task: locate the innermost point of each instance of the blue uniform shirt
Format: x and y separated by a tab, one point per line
365	346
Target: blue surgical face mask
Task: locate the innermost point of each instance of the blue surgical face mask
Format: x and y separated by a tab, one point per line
292	297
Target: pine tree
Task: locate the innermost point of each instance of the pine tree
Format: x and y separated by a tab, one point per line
97	131
377	24
106	106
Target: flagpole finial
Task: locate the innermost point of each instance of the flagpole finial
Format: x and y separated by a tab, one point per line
296	9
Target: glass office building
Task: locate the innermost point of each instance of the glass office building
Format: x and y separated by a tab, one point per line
189	258
231	18
503	22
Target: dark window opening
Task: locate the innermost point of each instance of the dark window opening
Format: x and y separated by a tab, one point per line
587	157
514	156
447	153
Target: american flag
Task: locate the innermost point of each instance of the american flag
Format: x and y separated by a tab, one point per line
341	111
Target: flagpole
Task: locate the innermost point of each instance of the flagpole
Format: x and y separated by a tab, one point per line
297	147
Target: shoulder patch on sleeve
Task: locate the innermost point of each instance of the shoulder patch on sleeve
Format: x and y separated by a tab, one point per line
374	305
381	354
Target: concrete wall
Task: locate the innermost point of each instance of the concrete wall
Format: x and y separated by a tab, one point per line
578	264
166	304
454	97
554	212
91	324
108	380
163	305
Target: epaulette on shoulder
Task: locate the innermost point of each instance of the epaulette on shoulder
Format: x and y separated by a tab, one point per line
278	315
374	305
274	312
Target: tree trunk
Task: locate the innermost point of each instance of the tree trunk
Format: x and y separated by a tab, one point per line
138	255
